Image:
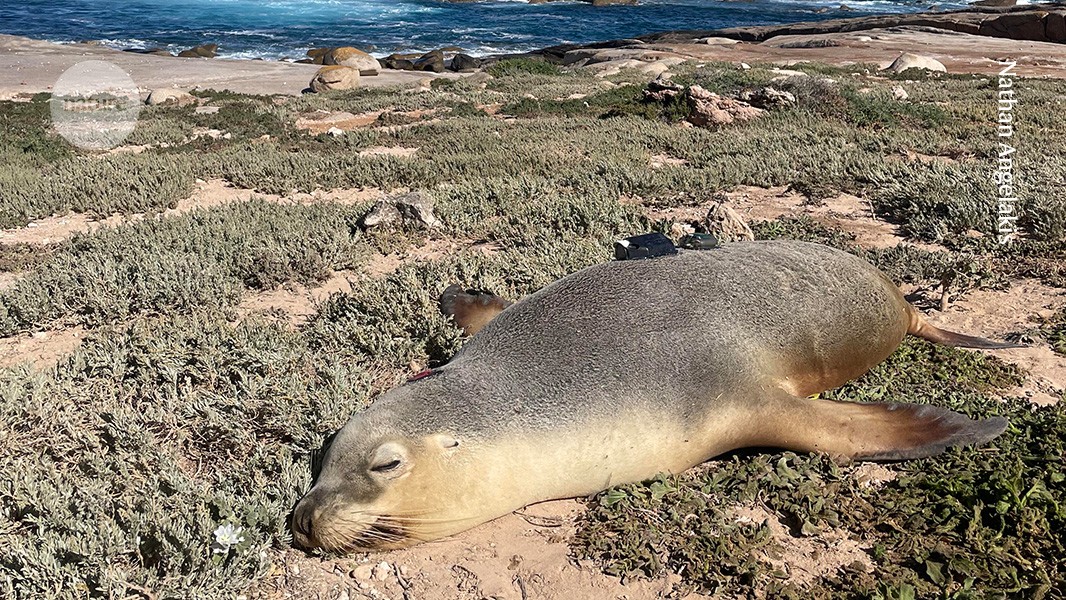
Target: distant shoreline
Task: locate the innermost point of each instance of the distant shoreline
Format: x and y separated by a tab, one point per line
964	41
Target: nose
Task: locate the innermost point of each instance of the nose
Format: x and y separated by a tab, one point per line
303	524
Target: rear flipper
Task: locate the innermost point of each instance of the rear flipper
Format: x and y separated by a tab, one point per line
470	309
921	328
871	431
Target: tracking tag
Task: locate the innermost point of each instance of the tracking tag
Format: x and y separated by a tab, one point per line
648	245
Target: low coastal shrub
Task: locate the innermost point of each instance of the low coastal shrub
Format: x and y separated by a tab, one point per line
522	66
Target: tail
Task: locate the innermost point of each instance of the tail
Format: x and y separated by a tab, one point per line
880	432
921	328
470	309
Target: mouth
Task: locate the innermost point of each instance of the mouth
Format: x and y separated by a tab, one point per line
380	533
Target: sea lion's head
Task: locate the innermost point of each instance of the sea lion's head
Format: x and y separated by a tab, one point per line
387	480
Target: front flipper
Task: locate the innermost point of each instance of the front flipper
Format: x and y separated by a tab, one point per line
879	431
470	309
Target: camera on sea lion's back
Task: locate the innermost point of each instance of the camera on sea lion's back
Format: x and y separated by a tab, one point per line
655	245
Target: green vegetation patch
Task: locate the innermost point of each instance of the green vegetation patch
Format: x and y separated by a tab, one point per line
972	523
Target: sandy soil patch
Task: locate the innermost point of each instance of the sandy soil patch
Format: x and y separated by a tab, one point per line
298	303
384	264
396	151
42	349
846	211
518	556
997	314
806	559
295	301
208	194
8	279
659	161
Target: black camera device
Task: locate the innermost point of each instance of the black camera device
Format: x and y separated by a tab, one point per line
648	245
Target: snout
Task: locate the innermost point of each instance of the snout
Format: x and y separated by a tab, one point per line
325	520
303	523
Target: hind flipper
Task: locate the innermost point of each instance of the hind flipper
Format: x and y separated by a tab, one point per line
470	309
921	328
879	431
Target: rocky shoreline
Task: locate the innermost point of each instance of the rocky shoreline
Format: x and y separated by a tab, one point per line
1032	22
966	41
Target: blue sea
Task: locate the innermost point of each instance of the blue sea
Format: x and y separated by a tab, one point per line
285	29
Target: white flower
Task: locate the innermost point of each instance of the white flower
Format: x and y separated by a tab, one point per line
227	536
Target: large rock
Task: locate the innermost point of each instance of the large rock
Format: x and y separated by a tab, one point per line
409	211
334	77
352	57
203	51
908	60
430	61
1055	27
707	109
464	63
170	96
318	55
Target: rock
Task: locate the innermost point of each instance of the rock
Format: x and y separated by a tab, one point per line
430	61
717	41
400	64
726	224
660	90
318	55
709	109
783	74
334	77
362	572
204	51
899	93
464	63
412	211
813	43
908	60
382	571
1055	27
998	3
352	57
768	98
170	96
334	132
744	66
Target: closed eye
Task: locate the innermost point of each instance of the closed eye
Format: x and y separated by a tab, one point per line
386	467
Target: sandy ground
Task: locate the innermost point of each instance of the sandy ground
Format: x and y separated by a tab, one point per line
31	66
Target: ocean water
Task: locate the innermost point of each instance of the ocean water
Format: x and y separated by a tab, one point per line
285	29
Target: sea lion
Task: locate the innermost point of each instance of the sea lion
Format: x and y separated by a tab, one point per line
622	371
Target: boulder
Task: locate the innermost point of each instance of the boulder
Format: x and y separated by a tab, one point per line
203	51
430	61
899	93
170	96
707	109
352	57
768	98
726	224
464	63
1055	27
1019	26
915	61
334	77
410	211
717	41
